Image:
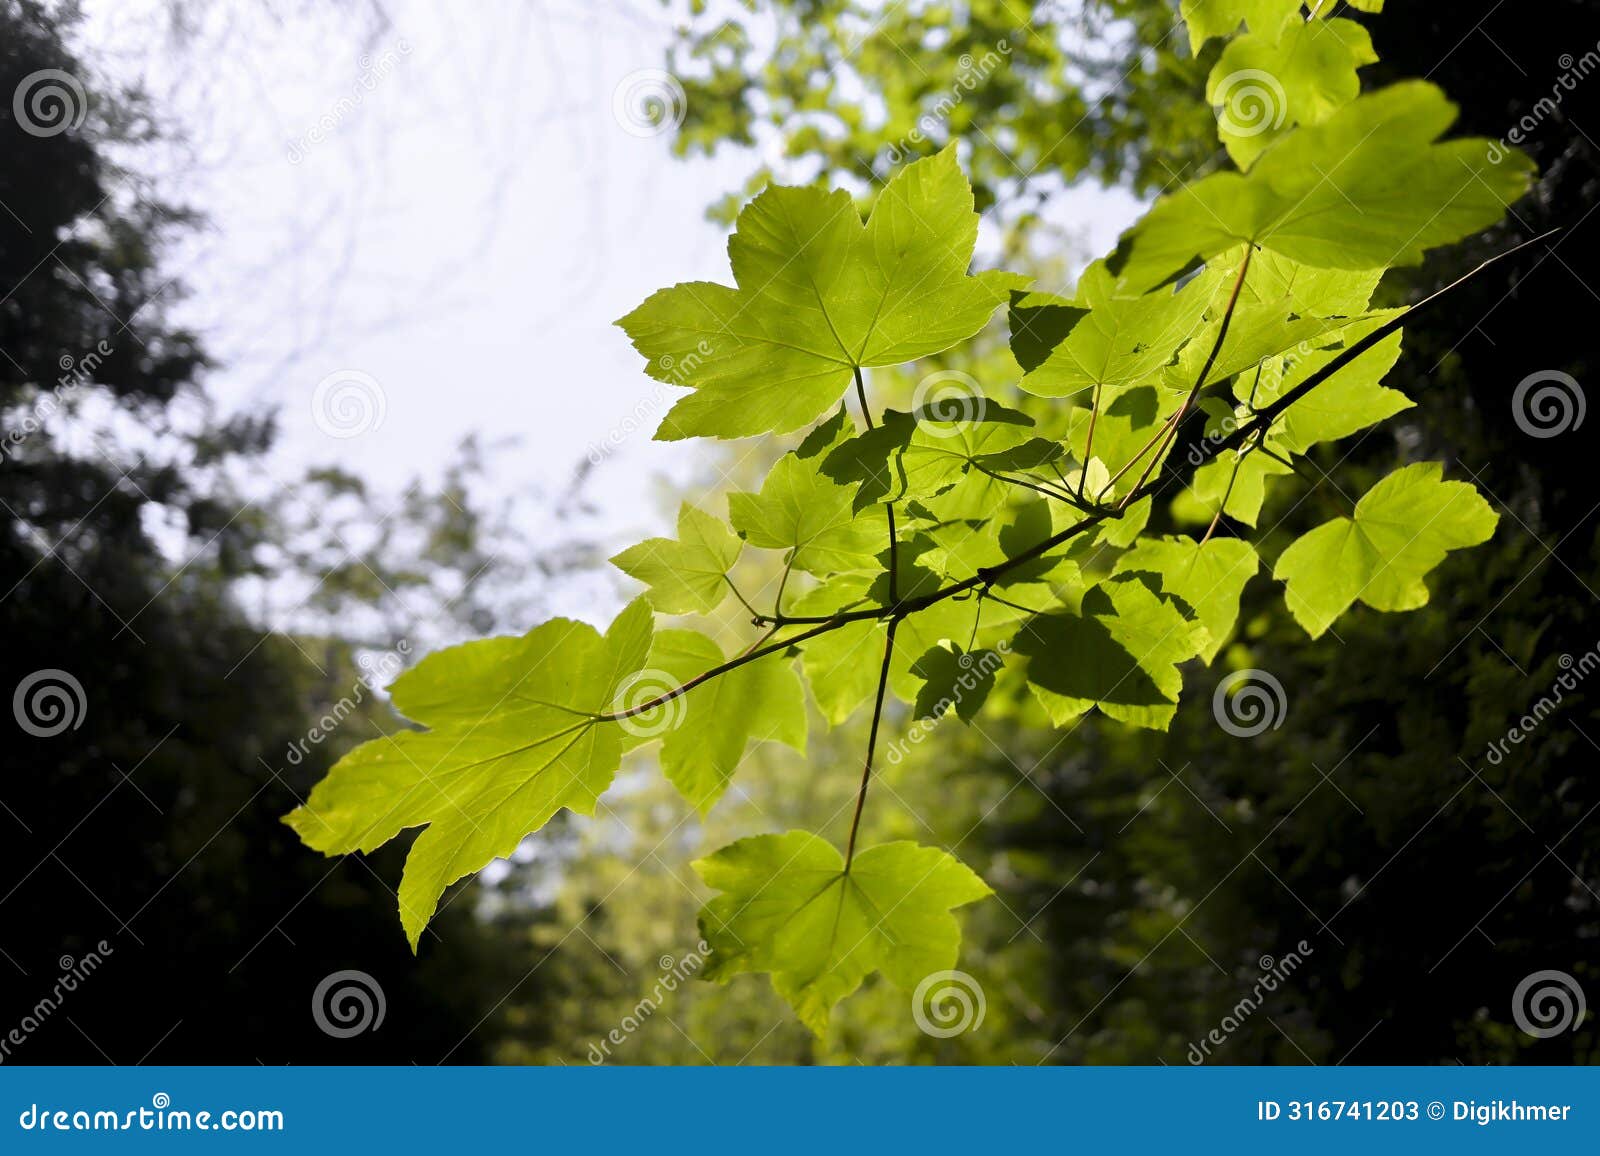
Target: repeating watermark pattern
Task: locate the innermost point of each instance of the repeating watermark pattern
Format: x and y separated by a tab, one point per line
1548	403
1250	102
348	1003
1548	1003
674	971
947	1003
348	403
75	372
1573	672
970	73
1573	70
49	102
1249	702
649	102
677	371
73	973
948	403
373	72
377	672
643	687
1274	973
48	702
977	667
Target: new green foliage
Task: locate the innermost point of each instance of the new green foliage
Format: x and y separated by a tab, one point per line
1011	551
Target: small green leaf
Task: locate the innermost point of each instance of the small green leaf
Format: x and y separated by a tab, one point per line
810	515
1210	578
685	576
1402	529
1208	18
954	678
1121	341
1267	82
789	908
1120	654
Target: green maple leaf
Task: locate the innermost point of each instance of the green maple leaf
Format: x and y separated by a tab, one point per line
1402	528
789	908
1120	341
908	456
686	575
819	295
1120	654
801	510
512	739
762	701
1265	83
1366	189
1208	18
955	678
1210	578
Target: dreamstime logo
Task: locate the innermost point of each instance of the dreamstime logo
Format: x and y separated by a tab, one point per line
73	973
649	102
1248	702
348	1003
978	667
674	972
47	702
377	672
1548	403
970	73
950	400
644	687
1250	102
1573	70
668	370
348	403
49	102
1548	1003
1273	974
372	73
947	1003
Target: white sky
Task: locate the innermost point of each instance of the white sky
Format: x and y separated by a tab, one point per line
465	234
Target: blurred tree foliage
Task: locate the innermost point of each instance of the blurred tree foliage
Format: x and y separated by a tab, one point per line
1145	879
151	824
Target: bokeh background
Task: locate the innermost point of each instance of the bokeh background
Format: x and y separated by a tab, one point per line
306	367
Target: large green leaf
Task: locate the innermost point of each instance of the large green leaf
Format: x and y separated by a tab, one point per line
512	739
818	295
1401	529
1366	189
788	907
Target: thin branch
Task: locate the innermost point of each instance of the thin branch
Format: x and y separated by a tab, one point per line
1205	371
872	743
